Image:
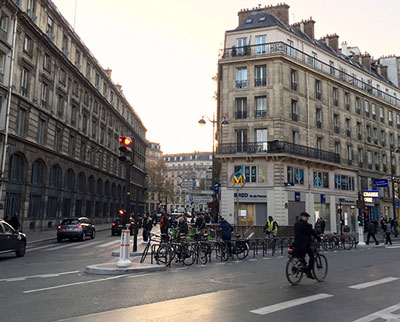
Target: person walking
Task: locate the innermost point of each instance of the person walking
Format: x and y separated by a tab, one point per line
371	233
322	226
394	223
271	227
317	226
147	226
14	222
387	230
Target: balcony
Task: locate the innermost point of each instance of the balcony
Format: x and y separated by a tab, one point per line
240	115
366	113
258	82
319	124
293	86
373	116
360	164
283	49
278	147
349	162
318	95
241	83
335	102
359	136
295	117
382	120
261	113
376	140
348	132
368	139
336	129
358	110
390	122
348	107
370	166
398	125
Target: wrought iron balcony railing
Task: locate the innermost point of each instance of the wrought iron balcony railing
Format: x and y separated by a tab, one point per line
287	50
261	113
278	147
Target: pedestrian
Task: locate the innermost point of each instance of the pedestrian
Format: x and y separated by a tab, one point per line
317	226
271	227
387	231
183	227
394	223
14	222
200	224
6	219
322	226
147	226
371	233
164	224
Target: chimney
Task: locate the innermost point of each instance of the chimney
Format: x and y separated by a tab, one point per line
280	11
119	87
309	28
366	61
243	15
108	71
384	72
333	42
344	48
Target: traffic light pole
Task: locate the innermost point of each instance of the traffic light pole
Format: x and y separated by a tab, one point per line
135	232
127	214
393	195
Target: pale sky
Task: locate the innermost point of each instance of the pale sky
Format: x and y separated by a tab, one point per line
165	52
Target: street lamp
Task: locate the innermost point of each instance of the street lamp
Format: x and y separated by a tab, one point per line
202	122
392	175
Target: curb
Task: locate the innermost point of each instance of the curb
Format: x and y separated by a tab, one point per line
112	269
136	254
54	238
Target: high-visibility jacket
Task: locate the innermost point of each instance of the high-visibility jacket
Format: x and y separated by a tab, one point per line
272	226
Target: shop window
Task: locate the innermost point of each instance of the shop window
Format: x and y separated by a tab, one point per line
321	179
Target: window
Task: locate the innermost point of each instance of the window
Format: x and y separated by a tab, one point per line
261	41
31	5
65	44
73	115
358	105
375	134
366	105
241	77
88	70
349	150
58	139
295	115
319	144
314	59
52	205
241	108
343	182
75	88
97	81
336	123
318	115
261	106
63	76
295	175
321	179
28	45
241	44
290	48
46	62
360	157
60	106
44	95
347	100
260	73
295	137
381	114
94	129
49	25
383	138
42	127
391	140
84	123
335	96
293	80
369	159
348	127
369	133
373	111
337	147
261	136
331	67
4	23
37	173
390	117
34	205
21	122
102	134
77	57
318	89
250	172
2	63
83	151
71	146
241	140
359	133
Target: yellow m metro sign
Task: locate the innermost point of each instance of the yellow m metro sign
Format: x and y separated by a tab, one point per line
238	177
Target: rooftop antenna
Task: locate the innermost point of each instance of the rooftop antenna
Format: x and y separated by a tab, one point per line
76	1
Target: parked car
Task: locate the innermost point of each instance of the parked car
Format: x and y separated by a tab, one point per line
11	240
75	228
116	226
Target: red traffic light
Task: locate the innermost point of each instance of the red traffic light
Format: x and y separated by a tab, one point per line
121	212
126	140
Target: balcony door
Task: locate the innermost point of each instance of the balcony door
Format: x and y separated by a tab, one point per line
241	140
261	41
261	140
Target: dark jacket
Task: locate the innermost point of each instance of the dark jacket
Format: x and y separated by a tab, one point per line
322	226
200	223
183	227
371	228
147	224
302	235
226	230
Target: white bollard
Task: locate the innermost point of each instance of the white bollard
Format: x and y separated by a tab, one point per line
361	242
124	260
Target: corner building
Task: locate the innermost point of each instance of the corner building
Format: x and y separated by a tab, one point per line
310	124
60	119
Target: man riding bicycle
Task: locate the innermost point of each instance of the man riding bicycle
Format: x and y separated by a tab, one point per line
302	241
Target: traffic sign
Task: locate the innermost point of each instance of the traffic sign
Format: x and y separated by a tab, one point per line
191	175
187	184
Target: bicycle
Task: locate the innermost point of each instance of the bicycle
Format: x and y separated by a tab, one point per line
146	249
296	267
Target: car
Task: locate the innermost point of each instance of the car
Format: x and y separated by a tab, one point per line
116	226
11	240
75	228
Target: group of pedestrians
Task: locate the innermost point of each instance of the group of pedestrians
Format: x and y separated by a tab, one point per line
387	226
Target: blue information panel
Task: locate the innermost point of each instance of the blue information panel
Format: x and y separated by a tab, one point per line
381	183
297	196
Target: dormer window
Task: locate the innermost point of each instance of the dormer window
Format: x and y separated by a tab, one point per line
262	19
249	20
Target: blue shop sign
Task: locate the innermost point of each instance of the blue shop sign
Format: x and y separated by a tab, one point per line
323	198
297	196
381	183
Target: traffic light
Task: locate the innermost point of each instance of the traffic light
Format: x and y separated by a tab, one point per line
396	190
126	148
359	220
122	212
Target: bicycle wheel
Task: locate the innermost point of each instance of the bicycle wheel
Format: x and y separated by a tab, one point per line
320	268
222	251
188	254
241	249
348	243
165	254
294	273
144	254
202	255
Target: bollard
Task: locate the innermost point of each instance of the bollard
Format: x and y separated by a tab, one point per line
124	260
361	242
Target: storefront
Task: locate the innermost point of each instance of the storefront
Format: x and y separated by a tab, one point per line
346	212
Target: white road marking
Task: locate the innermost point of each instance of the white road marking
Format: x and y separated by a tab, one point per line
373	283
73	284
180	268
57	247
266	257
86	245
390	247
41	247
109	243
288	304
23	278
386	315
252	260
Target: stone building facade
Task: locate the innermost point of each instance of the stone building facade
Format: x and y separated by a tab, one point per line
60	119
153	154
311	125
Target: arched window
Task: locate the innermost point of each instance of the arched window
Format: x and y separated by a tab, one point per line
69	180
81	182
16	168
55	176
107	189
38	173
113	191
119	191
99	187
91	184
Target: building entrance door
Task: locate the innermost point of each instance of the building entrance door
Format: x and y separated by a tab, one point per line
246	214
295	208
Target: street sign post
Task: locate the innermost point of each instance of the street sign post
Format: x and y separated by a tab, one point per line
187	184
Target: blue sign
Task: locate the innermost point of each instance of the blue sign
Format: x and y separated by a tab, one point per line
191	198
342	200
323	198
381	183
297	196
289	184
216	187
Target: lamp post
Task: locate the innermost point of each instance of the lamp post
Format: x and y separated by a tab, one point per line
213	121
392	176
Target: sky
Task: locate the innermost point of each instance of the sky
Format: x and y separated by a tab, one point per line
164	53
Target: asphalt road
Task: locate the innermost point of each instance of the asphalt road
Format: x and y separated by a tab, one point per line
48	284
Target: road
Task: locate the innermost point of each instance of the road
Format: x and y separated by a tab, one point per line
49	284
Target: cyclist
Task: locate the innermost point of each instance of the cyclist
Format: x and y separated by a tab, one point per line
271	227
200	224
182	227
302	241
226	230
